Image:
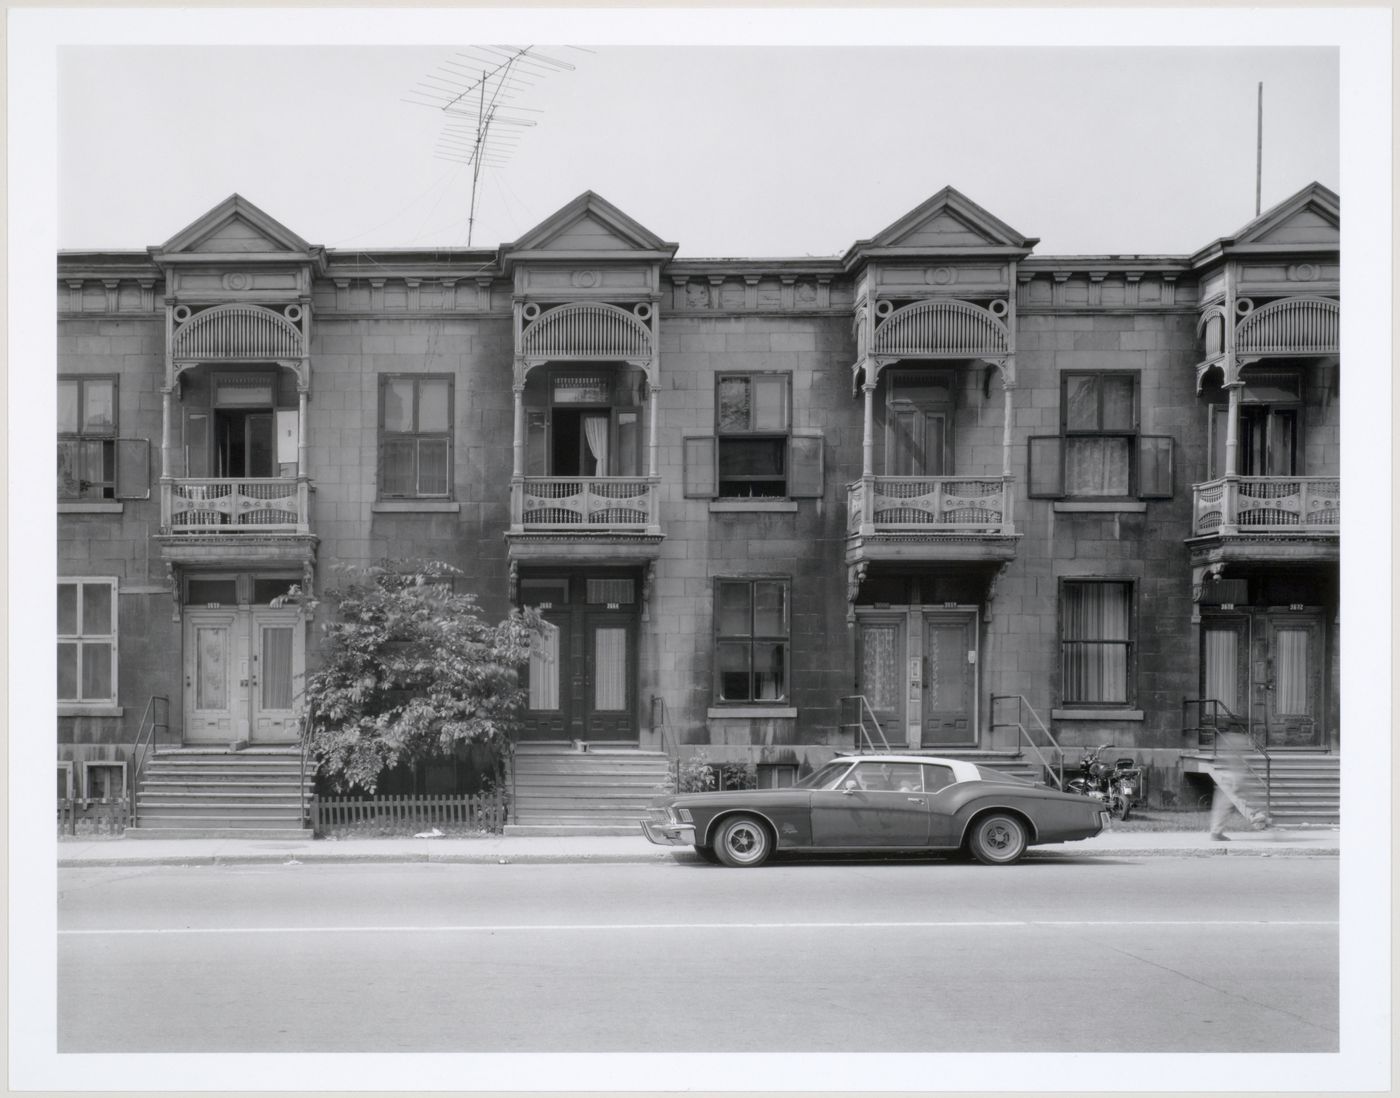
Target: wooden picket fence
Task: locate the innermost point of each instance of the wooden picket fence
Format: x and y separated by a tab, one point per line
93	817
482	812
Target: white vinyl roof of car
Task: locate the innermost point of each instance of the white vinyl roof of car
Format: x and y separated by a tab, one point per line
963	771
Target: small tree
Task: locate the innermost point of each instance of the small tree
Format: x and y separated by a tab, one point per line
410	671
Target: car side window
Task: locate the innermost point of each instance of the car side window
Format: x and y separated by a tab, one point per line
937	777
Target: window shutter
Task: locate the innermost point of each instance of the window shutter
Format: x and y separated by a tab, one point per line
1156	473
1045	477
701	480
805	479
133	468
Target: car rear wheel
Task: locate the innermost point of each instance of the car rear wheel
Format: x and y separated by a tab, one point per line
998	839
742	841
707	854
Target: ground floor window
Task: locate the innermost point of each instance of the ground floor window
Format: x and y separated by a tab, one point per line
87	640
751	640
1096	642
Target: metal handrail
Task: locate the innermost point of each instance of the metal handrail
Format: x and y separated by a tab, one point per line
1208	737
1056	770
662	724
151	719
301	785
863	708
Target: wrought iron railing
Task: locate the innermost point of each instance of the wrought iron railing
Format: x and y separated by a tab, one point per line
930	505
661	722
582	503
231	505
1048	751
855	713
1268	505
156	715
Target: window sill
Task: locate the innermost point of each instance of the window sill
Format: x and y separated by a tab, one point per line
409	506
752	712
1096	714
1129	506
779	506
88	709
91	507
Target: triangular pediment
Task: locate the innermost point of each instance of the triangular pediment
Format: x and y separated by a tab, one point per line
1309	219
589	225
950	221
235	227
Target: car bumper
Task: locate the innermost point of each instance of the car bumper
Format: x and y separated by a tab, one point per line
669	834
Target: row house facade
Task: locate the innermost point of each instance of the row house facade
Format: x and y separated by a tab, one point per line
938	492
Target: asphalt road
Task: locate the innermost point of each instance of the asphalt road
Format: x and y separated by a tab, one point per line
1092	955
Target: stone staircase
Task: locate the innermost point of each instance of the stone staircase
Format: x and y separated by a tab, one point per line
1305	789
601	791
221	793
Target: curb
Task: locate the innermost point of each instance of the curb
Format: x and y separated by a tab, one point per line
664	857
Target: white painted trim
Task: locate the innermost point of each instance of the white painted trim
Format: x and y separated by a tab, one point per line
752	712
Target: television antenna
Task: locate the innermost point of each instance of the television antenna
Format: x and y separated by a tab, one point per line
476	93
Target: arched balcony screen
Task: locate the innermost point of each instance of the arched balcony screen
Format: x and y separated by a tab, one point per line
940	328
237	332
586	330
1308	325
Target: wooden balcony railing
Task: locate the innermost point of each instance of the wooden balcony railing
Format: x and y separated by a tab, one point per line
580	504
930	505
231	506
1268	505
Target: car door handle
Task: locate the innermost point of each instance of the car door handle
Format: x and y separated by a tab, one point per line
914	800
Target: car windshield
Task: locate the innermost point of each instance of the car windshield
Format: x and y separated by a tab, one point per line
826	777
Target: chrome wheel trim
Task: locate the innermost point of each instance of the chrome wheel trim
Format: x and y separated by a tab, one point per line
745	841
1000	839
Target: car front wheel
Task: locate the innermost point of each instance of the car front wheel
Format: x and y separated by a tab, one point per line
742	842
998	839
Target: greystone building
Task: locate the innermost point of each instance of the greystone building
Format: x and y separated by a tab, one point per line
938	493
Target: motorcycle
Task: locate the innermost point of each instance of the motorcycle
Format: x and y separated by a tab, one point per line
1119	786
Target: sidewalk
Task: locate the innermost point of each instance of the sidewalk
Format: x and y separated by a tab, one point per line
614	850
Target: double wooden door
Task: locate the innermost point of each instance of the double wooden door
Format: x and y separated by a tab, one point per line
918	672
582	677
1266	668
242	670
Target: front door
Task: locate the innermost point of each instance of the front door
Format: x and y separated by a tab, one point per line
949	673
582	679
241	667
882	672
1225	666
1293	679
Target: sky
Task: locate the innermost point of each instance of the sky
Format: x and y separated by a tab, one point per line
724	150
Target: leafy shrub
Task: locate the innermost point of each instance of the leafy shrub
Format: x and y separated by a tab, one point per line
697	774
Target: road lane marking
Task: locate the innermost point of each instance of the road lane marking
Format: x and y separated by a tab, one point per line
1251	924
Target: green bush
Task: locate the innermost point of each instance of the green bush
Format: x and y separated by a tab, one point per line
697	774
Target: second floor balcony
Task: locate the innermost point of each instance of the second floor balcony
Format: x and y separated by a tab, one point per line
1268	518
595	518
217	521
930	518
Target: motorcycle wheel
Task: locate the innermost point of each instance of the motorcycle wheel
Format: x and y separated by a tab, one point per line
1118	808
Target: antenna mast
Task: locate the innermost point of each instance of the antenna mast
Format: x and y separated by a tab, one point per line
485	132
1259	151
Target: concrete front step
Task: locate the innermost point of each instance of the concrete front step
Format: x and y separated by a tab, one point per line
284	833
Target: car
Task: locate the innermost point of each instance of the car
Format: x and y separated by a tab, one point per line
877	804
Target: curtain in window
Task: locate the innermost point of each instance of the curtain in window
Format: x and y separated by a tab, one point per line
432	467
1291	672
1221	661
595	431
610	670
544	667
878	671
1096	624
1096	467
277	668
396	461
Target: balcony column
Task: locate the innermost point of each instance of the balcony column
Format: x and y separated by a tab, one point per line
867	454
303	464
1232	431
517	469
167	433
653	397
1007	388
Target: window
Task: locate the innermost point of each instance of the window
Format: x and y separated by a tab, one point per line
1099	453
104	781
751	640
87	641
754	453
415	437
1096	642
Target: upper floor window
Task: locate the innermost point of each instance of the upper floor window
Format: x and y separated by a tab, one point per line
87	641
415	437
87	433
1097	633
754	453
1100	453
751	640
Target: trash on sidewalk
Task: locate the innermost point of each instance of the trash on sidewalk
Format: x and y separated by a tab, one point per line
433	834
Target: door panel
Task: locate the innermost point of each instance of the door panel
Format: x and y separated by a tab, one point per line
882	672
872	810
916	442
950	679
1225	664
609	696
277	667
214	695
547	715
1295	680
